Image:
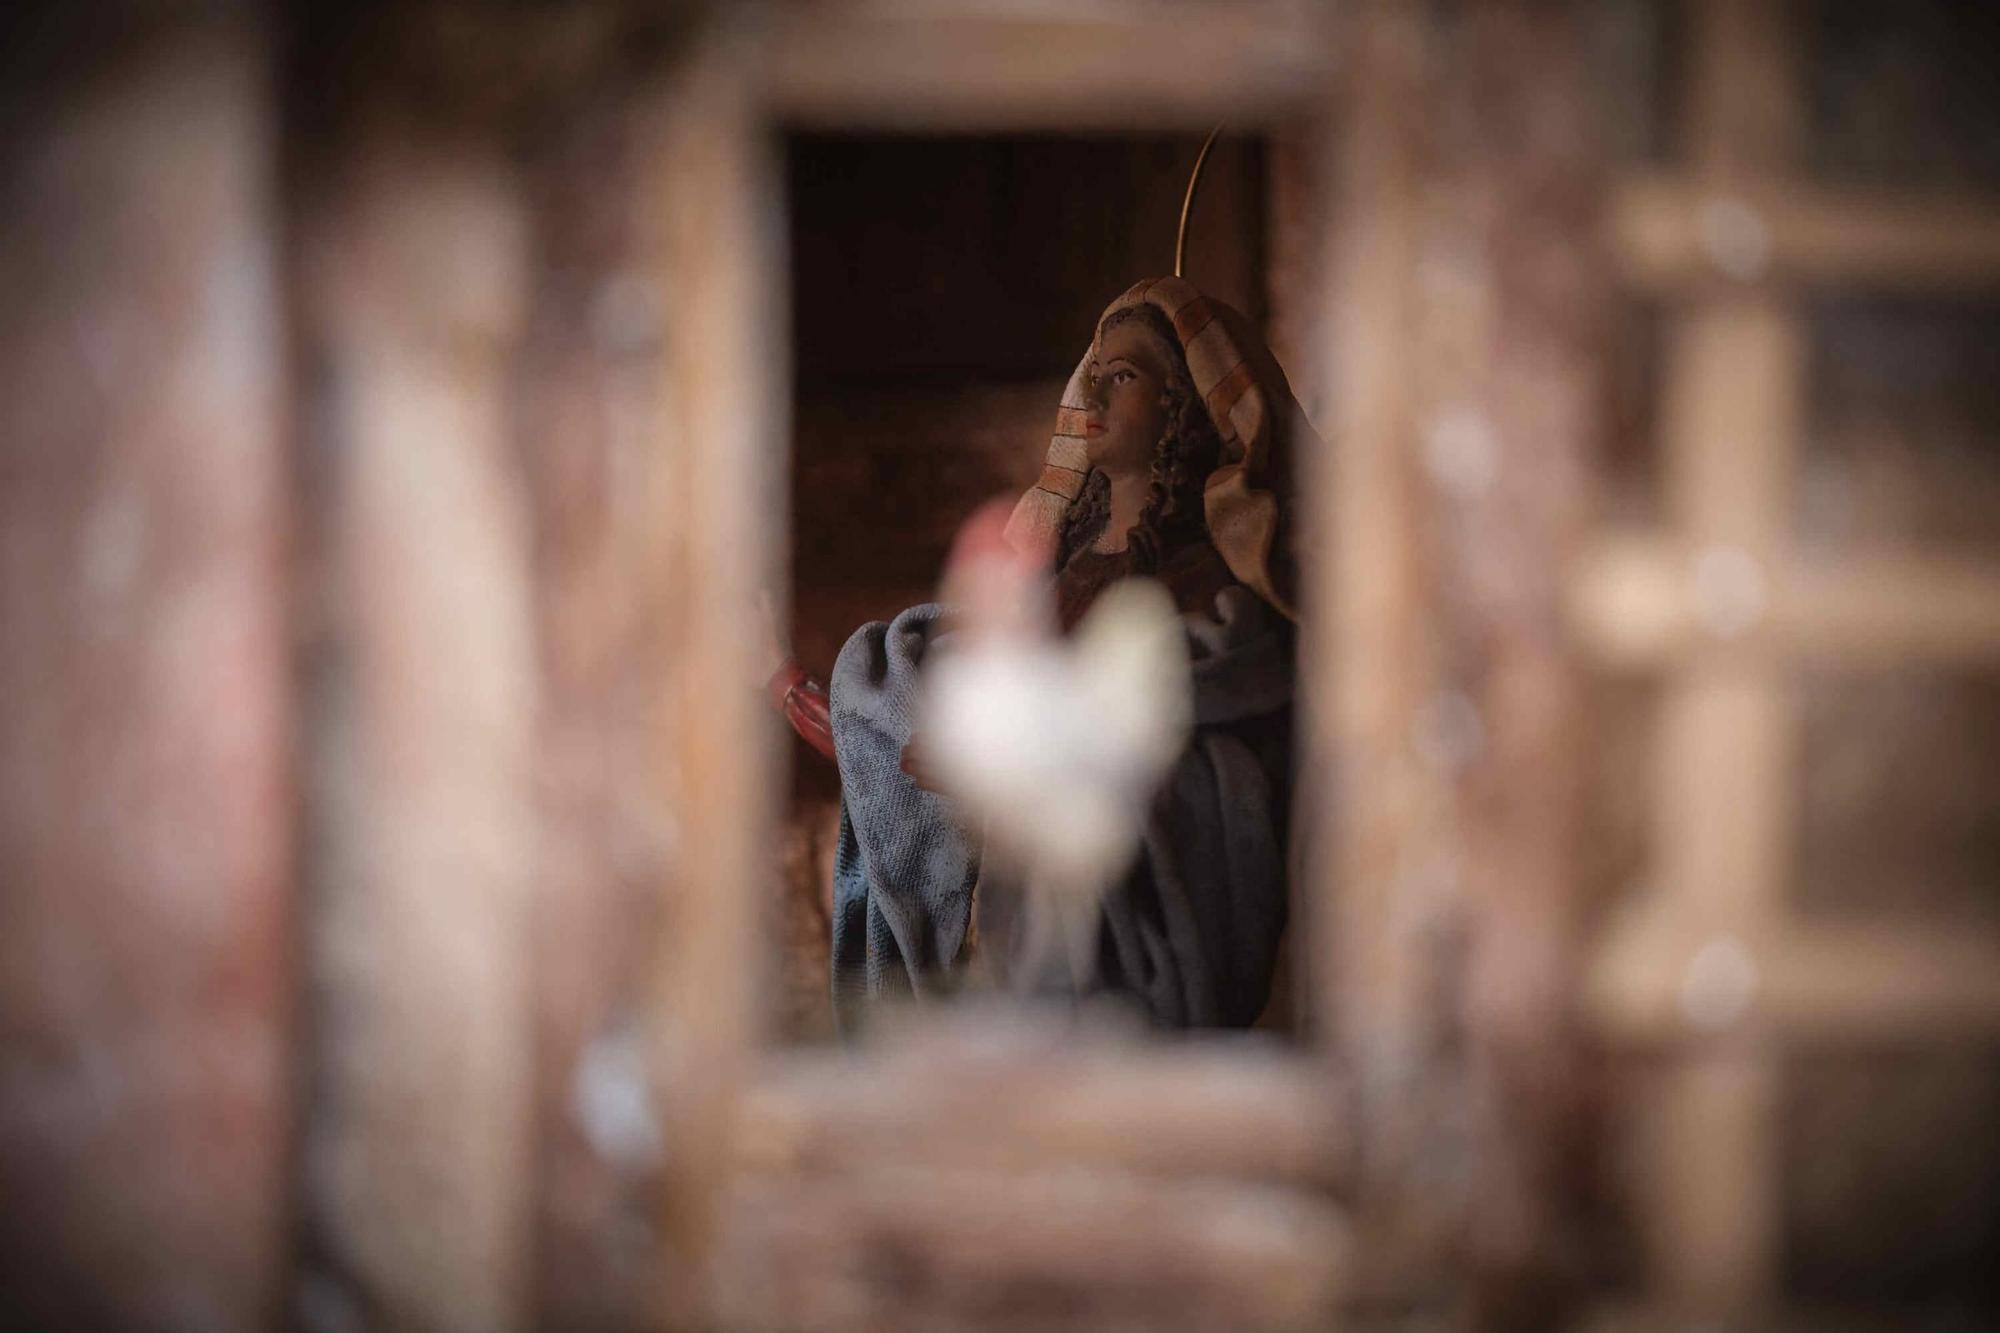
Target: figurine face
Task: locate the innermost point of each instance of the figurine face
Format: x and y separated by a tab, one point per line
1125	386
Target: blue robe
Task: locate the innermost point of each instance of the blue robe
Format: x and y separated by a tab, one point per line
1190	935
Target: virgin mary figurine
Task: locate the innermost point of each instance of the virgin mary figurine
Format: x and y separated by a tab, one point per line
1171	460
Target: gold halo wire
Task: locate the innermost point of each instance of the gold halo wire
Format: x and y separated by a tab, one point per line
1187	202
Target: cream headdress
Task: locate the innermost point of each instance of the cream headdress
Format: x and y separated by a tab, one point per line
1247	499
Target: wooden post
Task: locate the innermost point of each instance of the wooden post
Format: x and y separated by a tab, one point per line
1466	304
1514	369
145	791
1731	422
715	244
1379	819
589	401
422	702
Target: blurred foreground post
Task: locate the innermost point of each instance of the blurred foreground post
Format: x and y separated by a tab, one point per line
1466	304
421	701
714	247
589	392
145	803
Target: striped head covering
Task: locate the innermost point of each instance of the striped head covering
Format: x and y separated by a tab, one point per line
1247	501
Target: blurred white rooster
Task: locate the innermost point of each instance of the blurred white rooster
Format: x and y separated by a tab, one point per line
1055	746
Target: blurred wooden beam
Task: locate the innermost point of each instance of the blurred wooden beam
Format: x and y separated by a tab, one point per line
1465	341
1513	368
1657	981
1366	667
1065	1248
589	395
147	803
422	705
1670	235
1367	600
1046	66
1644	601
1732	415
714	250
1246	1112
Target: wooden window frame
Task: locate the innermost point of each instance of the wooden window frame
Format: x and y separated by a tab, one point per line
729	1105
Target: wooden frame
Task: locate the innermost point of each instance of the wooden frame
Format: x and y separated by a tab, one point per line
1379	1086
1435	928
801	1124
1720	602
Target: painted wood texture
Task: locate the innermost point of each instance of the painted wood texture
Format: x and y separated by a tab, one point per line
147	820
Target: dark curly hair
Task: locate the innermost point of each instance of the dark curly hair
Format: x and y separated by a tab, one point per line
1189	450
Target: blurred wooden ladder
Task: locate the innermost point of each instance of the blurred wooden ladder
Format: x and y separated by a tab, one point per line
1712	966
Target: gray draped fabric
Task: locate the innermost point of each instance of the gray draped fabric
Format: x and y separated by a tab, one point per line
1190	935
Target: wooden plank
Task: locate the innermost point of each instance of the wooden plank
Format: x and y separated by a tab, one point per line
1744	104
1372	986
1725	790
1731	420
1640	601
1732	410
1065	1247
1362	656
1003	1092
1513	372
587	390
1663	981
1088	64
1670	236
413	261
715	250
1708	1169
147	820
1861	981
1464	346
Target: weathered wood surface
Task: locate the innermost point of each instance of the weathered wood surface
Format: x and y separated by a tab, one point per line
1526	356
712	237
1639	601
1372	973
1670	237
146	822
1468	325
1732	418
1074	1248
421	714
588	394
1003	1092
995	1169
1863	980
1094	64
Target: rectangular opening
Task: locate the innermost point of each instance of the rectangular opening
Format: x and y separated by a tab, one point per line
943	289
